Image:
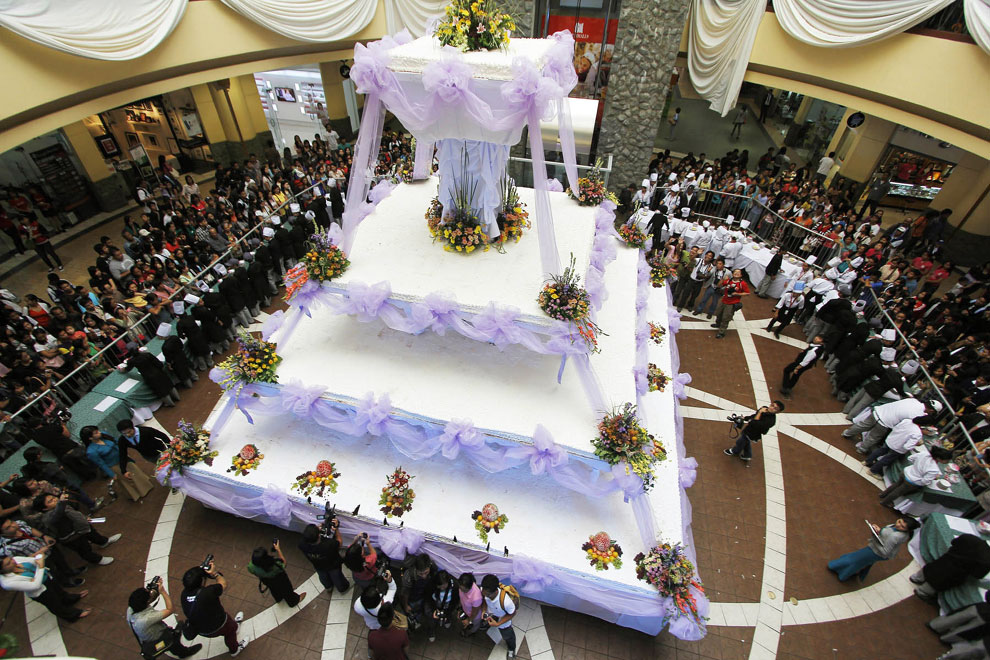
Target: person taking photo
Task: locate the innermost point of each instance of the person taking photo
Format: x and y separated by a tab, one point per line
148	624
205	614
755	426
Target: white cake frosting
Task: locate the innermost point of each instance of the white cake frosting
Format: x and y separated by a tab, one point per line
414	56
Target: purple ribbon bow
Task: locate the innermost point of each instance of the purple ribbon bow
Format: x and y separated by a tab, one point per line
435	313
271	324
530	576
277	506
498	325
299	398
366	301
555	186
449	77
545	454
460	434
673	320
370	69
371	416
381	190
307	296
628	481
681	381
398	542
530	91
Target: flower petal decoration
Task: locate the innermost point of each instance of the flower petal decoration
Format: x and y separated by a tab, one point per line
460	434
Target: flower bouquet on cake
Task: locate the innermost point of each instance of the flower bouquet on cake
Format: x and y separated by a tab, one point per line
622	439
397	497
254	362
320	480
460	230
656	378
513	216
591	189
489	520
247	459
630	234
668	569
660	272
564	299
657	333
474	25
322	262
603	552
188	447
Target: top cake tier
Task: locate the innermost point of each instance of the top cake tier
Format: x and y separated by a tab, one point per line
415	56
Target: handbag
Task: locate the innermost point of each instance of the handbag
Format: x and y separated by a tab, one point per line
153	649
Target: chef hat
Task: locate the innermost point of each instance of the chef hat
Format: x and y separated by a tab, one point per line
834	261
276	220
675	188
203	286
645	184
164	330
730	219
812	259
653	176
744	224
590	56
240	263
889	335
294	207
888	354
179	307
143	349
672	177
706	224
220	269
267	232
798	287
708	169
859	305
690	175
144	233
309	215
685	212
191	299
857	262
910	368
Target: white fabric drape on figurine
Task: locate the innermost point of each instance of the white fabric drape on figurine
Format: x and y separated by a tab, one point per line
978	21
98	29
308	20
845	23
720	38
412	15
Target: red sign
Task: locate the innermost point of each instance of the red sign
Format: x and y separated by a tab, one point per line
584	29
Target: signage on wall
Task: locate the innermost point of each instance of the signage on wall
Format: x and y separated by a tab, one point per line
592	59
855	120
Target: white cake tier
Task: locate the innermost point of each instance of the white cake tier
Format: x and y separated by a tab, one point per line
394	244
415	56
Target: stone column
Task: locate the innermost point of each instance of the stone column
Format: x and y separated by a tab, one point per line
524	14
645	48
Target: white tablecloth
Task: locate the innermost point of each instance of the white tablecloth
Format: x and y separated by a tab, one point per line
755	262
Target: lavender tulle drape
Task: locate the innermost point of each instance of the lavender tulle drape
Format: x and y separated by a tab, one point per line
446	102
423	159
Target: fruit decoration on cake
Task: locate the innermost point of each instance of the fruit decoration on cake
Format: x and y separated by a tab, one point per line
323	478
247	459
603	552
489	520
397	497
657	333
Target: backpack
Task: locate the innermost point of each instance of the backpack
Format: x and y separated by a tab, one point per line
504	589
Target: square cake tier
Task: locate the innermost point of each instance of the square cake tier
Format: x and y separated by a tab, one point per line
415	56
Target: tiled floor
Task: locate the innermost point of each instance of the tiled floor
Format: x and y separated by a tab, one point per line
747	541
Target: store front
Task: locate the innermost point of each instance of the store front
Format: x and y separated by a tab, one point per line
294	103
918	166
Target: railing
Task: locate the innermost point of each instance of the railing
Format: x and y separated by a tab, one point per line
74	385
521	170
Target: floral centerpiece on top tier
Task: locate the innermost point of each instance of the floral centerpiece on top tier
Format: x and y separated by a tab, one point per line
656	378
603	552
188	447
323	262
247	459
397	497
657	333
320	480
630	234
513	216
591	189
474	25
668	569
254	362
622	439
489	520
564	299
459	229
659	270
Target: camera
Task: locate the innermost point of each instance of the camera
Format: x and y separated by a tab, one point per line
330	521
153	584
737	420
206	562
382	566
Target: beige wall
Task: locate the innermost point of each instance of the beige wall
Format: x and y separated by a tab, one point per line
965	192
49	89
859	149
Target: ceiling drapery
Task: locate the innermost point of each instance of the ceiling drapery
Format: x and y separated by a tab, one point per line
308	20
846	23
412	15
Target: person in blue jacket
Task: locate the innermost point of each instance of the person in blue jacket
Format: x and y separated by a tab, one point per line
111	458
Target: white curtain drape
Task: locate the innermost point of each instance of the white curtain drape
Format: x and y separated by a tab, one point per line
412	15
720	39
844	23
98	29
308	20
978	21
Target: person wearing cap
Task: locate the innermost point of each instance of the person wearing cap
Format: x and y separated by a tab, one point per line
784	311
904	437
805	360
878	422
642	196
731	251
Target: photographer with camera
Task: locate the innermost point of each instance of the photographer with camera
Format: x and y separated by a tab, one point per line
381	591
752	428
470	596
321	545
441	603
270	571
148	624
387	641
417	588
733	289
361	558
499	609
205	614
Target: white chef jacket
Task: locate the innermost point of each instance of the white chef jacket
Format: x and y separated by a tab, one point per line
729	252
904	437
891	414
921	469
790	300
